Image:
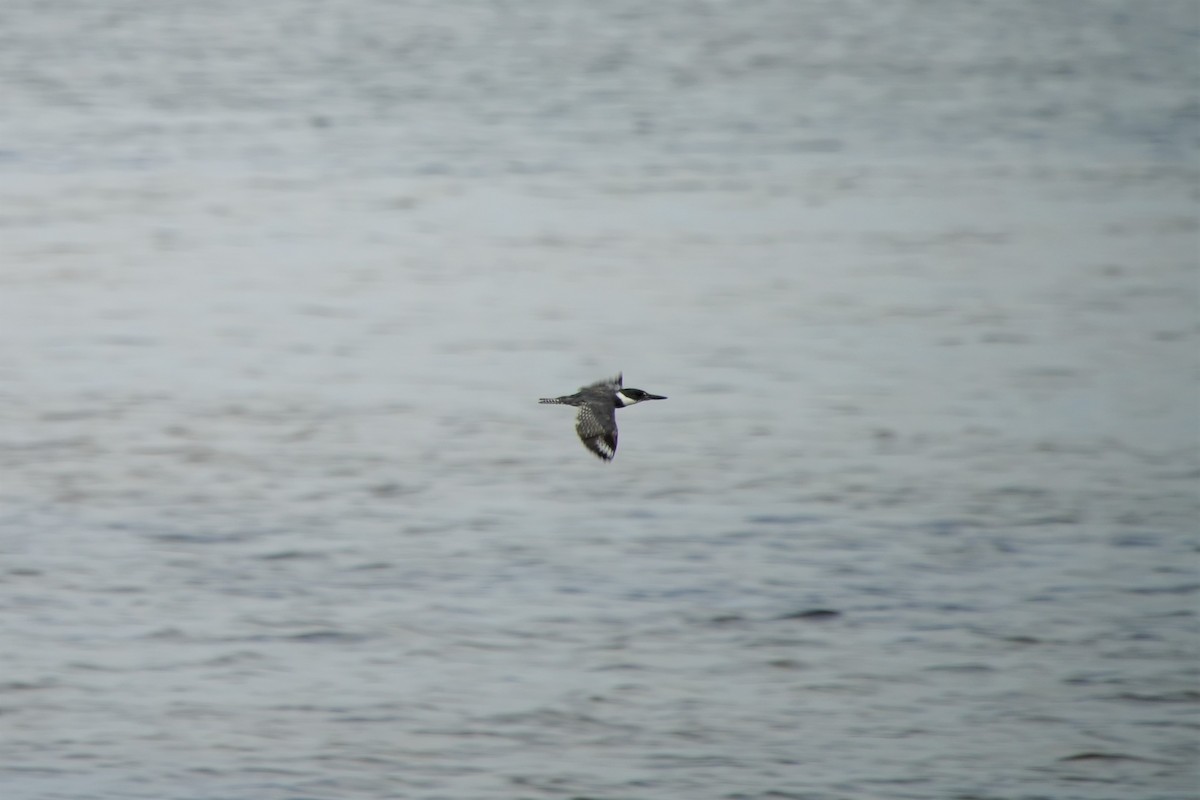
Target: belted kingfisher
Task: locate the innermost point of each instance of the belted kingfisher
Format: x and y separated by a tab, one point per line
596	422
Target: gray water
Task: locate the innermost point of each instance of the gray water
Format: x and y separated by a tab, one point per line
281	283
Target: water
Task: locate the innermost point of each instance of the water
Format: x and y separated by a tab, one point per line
281	284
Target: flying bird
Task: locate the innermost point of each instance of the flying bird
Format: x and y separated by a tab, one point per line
596	422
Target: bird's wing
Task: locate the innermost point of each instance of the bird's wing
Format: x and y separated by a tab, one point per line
598	430
608	384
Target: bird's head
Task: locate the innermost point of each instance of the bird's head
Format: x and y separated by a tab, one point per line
627	397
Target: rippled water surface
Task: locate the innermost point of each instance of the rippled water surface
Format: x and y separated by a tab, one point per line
282	282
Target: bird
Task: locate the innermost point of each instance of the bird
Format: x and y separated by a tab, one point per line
596	422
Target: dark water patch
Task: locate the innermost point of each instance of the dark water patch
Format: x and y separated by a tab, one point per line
291	555
70	443
1184	588
315	636
1003	545
278	771
777	794
1097	756
1023	640
1175	569
325	636
785	519
195	712
1095	679
459	732
785	642
391	489
1068	518
1136	540
811	615
207	538
683	592
236	657
1020	491
678	761
962	668
75	415
1178	724
26	770
1182	613
786	664
555	718
1010	638
1182	696
620	666
428	529
905	782
120	589
166	635
947	527
356	719
309	708
28	686
953	608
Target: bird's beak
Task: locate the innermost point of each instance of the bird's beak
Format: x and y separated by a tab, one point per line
654	397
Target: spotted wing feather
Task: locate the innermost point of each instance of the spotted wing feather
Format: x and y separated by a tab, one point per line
597	432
